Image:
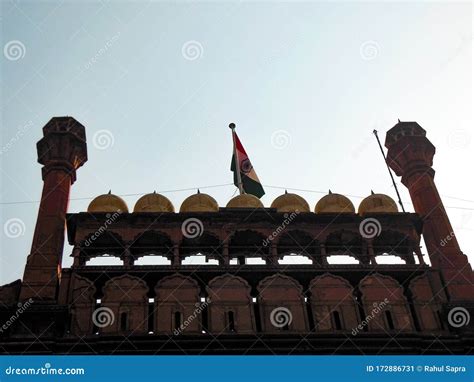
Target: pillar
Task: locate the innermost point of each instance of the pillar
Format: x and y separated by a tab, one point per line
61	151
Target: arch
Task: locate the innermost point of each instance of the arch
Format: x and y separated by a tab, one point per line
100	243
426	306
329	294
248	243
229	293
206	244
381	293
346	243
281	296
394	243
81	304
178	295
298	242
150	243
126	294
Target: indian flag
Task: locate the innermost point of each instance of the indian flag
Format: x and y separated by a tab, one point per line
248	177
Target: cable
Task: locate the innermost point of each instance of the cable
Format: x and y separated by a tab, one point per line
231	184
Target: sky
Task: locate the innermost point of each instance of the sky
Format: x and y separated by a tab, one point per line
156	85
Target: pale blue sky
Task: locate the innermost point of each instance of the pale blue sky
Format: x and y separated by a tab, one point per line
322	75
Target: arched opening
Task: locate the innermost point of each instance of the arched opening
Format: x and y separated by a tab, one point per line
386	258
389	318
152	260
104	260
337	320
151	244
178	320
295	259
231	321
342	259
124	321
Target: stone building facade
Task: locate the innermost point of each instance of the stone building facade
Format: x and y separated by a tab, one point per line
247	299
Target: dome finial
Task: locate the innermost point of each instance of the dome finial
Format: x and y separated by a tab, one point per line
154	191
286	191
399	120
110	192
330	192
199	191
372	192
232	126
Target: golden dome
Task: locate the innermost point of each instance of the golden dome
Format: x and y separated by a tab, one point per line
199	203
290	203
153	203
334	203
245	201
107	203
377	203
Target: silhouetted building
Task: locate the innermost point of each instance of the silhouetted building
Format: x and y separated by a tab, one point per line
248	298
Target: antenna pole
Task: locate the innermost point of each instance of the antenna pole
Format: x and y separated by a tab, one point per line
236	157
389	171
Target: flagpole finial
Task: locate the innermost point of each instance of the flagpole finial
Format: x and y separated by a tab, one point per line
232	126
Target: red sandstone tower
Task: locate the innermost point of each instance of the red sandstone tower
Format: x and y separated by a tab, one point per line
410	155
61	151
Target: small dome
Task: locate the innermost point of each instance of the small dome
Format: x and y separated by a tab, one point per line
290	203
245	201
377	203
107	203
199	203
153	203
334	203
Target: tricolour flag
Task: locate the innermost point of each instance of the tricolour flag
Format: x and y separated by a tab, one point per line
250	182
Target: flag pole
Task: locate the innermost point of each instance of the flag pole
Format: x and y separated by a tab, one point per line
237	164
389	171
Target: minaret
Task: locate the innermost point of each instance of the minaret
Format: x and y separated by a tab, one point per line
61	151
410	155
